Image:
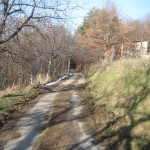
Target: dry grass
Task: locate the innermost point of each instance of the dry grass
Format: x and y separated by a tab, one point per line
41	79
14	94
11	90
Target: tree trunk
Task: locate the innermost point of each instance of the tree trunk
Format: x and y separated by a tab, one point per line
49	68
31	79
68	64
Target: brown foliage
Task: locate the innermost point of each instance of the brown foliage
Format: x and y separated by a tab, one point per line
105	31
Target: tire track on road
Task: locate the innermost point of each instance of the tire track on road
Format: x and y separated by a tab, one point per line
29	126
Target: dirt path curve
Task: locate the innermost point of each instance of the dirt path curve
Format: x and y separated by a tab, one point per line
30	125
68	124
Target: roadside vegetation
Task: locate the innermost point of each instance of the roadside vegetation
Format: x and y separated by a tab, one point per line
12	95
118	96
15	99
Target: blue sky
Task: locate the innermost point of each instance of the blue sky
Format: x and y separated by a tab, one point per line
134	9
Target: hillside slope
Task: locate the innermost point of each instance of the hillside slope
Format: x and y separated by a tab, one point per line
118	96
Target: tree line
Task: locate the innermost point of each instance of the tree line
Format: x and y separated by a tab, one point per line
33	41
105	31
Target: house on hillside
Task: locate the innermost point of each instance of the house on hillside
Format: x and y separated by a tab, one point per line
134	49
142	48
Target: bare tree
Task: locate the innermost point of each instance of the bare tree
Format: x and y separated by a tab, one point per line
17	14
30	43
32	54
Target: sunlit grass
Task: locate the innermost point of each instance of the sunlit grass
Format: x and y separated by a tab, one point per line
120	93
12	95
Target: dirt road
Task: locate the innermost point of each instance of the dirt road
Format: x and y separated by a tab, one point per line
66	127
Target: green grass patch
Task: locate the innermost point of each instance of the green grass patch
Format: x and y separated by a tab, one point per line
118	95
8	99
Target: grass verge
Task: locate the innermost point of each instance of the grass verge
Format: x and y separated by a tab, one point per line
13	100
118	96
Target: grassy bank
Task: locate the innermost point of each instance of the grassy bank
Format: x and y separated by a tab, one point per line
14	100
13	95
119	98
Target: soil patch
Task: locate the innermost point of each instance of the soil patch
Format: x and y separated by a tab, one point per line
62	131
